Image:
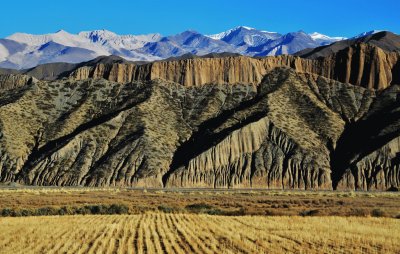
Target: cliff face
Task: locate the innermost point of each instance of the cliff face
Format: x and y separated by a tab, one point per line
287	131
11	81
361	64
117	72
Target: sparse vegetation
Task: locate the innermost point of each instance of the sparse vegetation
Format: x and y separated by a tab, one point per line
107	220
309	213
378	213
66	210
214	202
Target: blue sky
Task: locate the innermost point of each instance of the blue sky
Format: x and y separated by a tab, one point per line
334	18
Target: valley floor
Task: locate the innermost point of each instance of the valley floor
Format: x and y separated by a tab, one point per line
33	200
198	233
112	220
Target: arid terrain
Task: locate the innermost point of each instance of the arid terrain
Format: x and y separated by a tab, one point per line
222	201
191	127
326	119
198	233
197	221
262	152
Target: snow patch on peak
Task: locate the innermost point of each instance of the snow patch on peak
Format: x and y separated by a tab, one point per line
221	35
60	37
325	39
245	27
97	34
238	29
317	35
366	34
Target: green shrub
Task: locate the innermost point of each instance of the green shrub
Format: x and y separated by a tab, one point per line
66	210
309	213
359	212
117	209
378	213
199	207
7	212
97	209
81	210
166	209
27	212
211	210
203	208
46	211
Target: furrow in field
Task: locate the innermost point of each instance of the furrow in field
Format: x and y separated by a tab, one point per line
180	237
172	242
191	238
206	234
137	239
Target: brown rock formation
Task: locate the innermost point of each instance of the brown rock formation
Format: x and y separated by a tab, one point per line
117	72
292	131
11	81
362	65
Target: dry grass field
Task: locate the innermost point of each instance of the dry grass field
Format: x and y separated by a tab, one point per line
198	233
99	220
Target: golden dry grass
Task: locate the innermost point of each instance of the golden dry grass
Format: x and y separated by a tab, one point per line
193	233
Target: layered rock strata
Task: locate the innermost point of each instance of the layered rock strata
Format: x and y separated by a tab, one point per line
361	64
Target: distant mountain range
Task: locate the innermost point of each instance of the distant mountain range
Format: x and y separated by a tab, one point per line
22	51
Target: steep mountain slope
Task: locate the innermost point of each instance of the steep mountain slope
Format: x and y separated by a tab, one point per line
114	41
366	34
283	132
384	40
287	44
186	42
245	37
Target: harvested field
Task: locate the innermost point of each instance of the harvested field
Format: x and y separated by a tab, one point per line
198	233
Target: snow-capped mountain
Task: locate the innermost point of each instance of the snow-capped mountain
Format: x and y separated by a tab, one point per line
243	36
186	42
22	50
323	39
115	41
287	44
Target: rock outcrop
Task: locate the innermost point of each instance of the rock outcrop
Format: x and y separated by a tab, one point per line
290	130
121	73
11	81
362	65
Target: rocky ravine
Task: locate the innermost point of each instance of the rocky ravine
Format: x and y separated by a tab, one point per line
284	130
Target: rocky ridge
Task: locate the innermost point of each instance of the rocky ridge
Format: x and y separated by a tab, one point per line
291	130
362	65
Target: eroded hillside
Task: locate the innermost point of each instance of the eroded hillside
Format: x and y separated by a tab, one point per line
284	130
361	64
